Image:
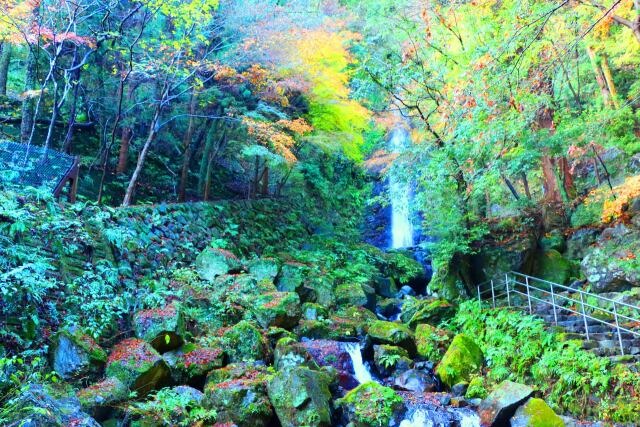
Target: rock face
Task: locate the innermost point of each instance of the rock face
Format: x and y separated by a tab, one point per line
536	413
578	243
75	354
501	404
138	365
301	397
416	381
612	264
263	268
35	407
213	262
350	294
462	359
163	328
291	276
238	392
392	333
289	353
245	343
552	266
516	255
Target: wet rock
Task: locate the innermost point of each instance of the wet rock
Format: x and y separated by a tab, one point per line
579	242
392	333
319	290
502	402
370	404
611	265
163	328
553	267
191	363
460	389
416	381
313	311
328	353
389	307
281	309
389	359
213	262
405	291
138	365
462	359
36	407
385	287
263	268
301	397
75	354
99	399
345	324
238	393
290	353
432	342
536	413
244	342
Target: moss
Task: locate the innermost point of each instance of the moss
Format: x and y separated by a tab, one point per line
552	266
463	358
476	389
432	342
244	342
137	365
371	404
350	294
540	414
392	333
415	311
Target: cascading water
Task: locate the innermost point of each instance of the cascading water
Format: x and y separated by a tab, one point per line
400	196
361	371
424	417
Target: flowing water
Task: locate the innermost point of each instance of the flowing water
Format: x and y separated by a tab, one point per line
400	196
424	417
361	371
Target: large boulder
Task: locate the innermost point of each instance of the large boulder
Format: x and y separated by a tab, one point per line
191	363
281	309
389	359
392	333
536	413
502	402
75	354
163	328
350	294
301	397
291	276
214	262
244	343
36	407
432	311
370	404
99	399
579	243
333	354
263	268
416	381
238	392
494	261
553	267
289	353
138	365
612	265
553	240
462	359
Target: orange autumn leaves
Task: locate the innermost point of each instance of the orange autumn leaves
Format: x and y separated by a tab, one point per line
278	136
614	208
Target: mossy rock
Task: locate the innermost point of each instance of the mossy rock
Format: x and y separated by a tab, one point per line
319	290
502	402
75	354
536	413
553	241
462	359
163	328
238	393
371	404
313	311
476	389
553	267
431	311
192	362
350	294
289	353
346	323
172	406
392	333
281	309
214	262
263	268
101	397
138	365
432	342
389	358
301	397
244	342
291	276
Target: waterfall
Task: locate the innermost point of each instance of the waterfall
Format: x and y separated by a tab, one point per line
440	417
362	373
400	196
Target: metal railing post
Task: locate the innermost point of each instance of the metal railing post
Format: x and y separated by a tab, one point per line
493	294
584	317
526	281
615	314
479	297
553	304
506	283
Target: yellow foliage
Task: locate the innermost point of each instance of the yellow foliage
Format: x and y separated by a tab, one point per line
625	193
274	135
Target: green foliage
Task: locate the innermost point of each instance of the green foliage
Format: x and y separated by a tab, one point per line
170	407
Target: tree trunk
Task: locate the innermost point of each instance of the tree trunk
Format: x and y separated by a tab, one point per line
123	155
609	79
265	181
75	81
186	143
606	96
550	183
5	60
128	197
525	184
512	189
28	104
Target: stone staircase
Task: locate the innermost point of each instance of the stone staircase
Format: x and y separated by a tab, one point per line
603	339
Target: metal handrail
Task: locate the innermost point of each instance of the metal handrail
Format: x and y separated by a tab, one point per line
512	277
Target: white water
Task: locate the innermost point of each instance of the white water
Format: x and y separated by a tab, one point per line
469	419
417	419
423	418
362	373
400	196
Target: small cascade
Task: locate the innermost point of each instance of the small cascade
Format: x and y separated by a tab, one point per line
440	417
400	197
361	371
468	418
